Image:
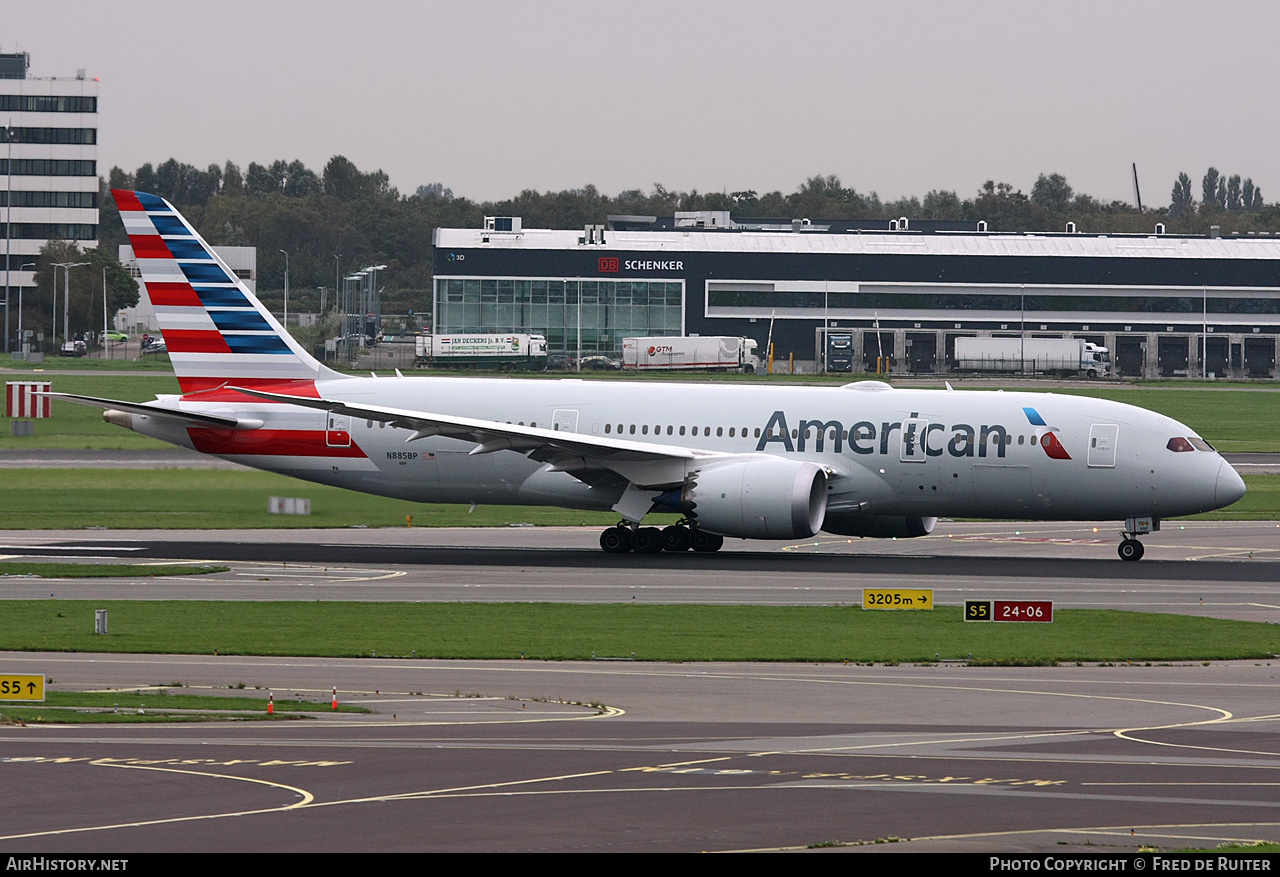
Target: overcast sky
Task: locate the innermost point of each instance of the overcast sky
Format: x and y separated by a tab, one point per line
492	98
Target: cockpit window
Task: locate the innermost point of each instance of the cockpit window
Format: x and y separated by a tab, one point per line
1199	444
1179	445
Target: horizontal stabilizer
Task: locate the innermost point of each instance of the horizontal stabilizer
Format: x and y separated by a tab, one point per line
151	409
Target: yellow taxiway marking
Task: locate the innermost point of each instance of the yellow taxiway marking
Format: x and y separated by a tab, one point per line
306	796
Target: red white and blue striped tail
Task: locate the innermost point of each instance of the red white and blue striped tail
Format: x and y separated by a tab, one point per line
216	330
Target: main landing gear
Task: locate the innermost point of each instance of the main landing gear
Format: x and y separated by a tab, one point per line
651	540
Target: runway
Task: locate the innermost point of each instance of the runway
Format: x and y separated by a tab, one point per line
507	756
628	756
1224	569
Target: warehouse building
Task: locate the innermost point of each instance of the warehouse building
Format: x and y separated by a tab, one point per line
1165	305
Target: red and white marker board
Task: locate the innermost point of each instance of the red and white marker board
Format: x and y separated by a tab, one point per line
21	400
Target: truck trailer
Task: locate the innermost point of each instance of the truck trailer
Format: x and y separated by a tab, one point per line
507	352
693	352
1033	356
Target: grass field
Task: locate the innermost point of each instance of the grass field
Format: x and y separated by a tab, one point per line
104	570
156	705
651	633
82	426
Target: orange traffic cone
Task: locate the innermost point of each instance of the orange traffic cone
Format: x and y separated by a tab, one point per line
271	704
335	697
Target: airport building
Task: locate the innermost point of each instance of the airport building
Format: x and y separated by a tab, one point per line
48	164
1165	305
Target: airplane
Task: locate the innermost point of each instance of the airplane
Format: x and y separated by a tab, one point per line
736	461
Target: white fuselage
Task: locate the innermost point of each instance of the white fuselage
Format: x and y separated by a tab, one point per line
886	451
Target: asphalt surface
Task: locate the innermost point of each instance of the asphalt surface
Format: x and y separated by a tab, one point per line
631	756
513	757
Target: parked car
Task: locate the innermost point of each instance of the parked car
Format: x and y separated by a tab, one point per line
114	336
600	363
73	348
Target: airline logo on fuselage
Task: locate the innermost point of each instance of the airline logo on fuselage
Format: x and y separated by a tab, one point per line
1046	435
915	438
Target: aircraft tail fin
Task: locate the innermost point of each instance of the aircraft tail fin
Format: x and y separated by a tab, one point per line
216	330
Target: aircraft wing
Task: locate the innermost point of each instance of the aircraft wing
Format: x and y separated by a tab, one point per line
153	410
645	464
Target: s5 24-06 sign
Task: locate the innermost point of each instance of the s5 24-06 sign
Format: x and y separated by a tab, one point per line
1008	610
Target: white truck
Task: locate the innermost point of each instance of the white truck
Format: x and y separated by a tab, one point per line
1033	356
507	352
701	352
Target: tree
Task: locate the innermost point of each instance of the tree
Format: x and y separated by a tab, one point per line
1052	192
1233	201
1209	188
259	181
942	205
434	192
85	299
343	180
232	179
1181	202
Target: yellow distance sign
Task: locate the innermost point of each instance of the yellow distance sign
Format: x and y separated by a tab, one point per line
15	686
897	598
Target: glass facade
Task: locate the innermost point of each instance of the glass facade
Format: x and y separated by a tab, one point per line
606	310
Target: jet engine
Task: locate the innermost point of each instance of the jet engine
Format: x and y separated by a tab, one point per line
757	497
880	526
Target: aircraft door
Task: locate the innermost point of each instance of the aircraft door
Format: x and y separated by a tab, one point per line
913	436
565	420
1102	444
336	434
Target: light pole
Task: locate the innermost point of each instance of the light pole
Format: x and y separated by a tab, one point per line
21	346
286	291
8	220
66	301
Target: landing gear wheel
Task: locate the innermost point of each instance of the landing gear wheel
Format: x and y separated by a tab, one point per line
705	542
616	540
676	538
646	540
1130	549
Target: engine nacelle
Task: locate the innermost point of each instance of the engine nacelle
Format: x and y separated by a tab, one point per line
757	496
880	526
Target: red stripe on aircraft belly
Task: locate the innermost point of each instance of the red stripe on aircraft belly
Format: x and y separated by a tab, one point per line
149	246
218	389
195	341
126	200
173	295
268	442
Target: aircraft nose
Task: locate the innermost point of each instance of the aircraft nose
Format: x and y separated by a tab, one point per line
1230	486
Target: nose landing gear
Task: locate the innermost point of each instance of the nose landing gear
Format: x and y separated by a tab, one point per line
1130	549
